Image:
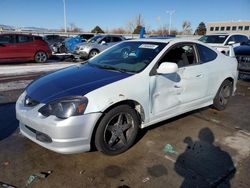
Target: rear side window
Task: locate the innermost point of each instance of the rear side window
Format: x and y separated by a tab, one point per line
206	54
24	38
7	39
116	39
183	55
38	38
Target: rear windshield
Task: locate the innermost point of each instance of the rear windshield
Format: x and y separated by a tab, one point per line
217	39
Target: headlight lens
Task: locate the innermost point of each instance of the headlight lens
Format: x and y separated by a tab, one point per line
65	108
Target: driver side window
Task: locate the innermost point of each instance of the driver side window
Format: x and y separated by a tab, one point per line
183	55
106	40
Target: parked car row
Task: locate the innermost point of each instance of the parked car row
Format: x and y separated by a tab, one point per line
21	47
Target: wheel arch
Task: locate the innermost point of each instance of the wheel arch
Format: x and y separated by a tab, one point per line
229	78
132	103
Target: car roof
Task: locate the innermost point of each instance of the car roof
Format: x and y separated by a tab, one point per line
175	40
228	34
19	34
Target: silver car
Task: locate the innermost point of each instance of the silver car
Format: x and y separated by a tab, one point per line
97	44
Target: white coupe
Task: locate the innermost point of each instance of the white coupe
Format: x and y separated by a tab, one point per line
129	86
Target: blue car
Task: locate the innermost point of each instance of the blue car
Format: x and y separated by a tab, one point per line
70	43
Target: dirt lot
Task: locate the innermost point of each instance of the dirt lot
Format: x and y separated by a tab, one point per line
205	148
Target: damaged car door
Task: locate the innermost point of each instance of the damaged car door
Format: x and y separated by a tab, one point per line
174	91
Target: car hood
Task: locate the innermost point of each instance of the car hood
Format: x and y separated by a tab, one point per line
81	44
71	81
216	44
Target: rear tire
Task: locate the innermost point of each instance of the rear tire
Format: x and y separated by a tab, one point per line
117	130
41	57
223	95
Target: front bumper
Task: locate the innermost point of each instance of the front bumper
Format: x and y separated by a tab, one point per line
67	136
83	54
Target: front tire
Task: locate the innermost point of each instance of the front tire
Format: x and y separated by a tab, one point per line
93	53
117	130
223	95
41	57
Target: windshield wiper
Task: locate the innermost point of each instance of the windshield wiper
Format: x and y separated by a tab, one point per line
108	67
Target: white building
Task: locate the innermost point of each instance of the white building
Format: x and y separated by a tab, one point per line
229	27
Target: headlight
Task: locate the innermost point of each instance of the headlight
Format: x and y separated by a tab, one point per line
65	108
81	48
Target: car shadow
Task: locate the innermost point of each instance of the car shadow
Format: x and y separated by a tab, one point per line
244	77
203	164
8	121
143	132
170	120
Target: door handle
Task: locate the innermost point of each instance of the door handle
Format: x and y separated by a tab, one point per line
176	86
199	76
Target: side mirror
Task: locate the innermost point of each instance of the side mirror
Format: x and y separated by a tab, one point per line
231	42
103	42
167	68
2	45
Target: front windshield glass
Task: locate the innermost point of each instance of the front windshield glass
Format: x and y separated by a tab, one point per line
132	56
217	39
94	39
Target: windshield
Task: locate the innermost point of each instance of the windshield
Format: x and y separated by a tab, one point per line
217	39
129	56
246	43
94	39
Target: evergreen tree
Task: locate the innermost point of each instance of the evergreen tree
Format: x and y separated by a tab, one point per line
201	29
97	29
137	29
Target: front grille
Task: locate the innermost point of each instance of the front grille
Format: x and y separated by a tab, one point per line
244	62
29	102
243	59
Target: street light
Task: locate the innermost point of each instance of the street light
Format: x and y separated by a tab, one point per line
65	19
170	12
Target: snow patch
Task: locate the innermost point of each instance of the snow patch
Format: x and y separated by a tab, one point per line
19	84
20	70
240	142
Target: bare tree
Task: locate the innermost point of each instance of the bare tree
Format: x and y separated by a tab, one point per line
73	28
119	30
135	22
186	27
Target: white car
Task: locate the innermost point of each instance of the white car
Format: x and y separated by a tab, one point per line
222	41
127	87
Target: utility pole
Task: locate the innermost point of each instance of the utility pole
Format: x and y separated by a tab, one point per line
65	19
170	12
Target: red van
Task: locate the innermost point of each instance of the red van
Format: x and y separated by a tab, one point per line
23	47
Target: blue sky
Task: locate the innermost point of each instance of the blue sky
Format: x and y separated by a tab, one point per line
110	14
